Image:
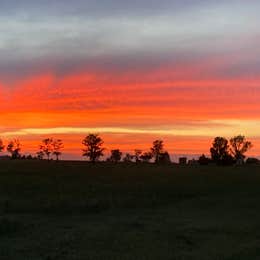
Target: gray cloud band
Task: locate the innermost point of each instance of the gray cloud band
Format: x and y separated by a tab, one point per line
31	40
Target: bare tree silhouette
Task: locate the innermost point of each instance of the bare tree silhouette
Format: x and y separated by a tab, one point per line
57	147
93	148
239	146
14	148
157	150
47	147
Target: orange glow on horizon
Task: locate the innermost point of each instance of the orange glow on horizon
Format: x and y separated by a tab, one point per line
192	109
176	146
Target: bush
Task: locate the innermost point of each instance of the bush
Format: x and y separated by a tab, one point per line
252	161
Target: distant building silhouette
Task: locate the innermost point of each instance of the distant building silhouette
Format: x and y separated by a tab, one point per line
183	160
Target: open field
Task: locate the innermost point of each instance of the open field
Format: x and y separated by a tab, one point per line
76	210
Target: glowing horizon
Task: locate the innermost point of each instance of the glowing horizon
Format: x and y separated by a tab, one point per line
182	71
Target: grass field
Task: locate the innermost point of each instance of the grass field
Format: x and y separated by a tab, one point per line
76	210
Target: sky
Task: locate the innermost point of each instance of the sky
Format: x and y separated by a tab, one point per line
133	71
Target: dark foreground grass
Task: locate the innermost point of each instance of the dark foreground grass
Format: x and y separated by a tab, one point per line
76	210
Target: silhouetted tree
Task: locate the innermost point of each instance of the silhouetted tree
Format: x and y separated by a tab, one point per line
220	150
128	158
115	156
40	155
57	146
14	148
137	154
94	148
2	147
146	157
239	146
47	147
157	150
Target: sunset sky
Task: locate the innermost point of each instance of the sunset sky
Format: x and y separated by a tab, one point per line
134	71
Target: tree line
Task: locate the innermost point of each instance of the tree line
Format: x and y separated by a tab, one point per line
222	151
94	150
48	147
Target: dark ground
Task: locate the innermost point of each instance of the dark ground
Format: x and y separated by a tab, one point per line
75	210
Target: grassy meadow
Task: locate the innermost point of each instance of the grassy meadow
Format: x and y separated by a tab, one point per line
77	210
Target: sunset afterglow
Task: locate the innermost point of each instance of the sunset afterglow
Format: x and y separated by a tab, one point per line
181	71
